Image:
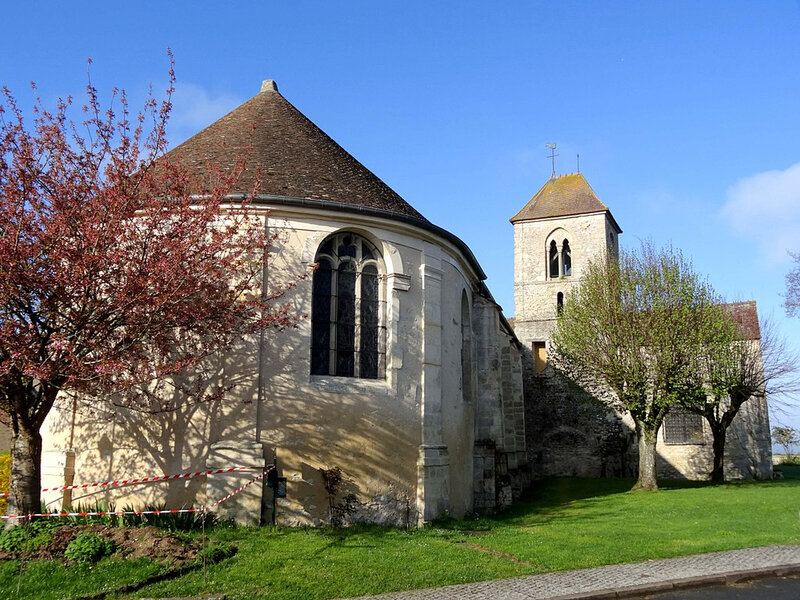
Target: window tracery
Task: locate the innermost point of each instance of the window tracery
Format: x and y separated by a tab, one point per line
348	335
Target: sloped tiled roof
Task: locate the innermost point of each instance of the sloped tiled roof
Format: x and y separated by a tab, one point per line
562	196
296	158
745	315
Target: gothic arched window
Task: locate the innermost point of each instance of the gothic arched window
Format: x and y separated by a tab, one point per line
553	260
566	259
348	336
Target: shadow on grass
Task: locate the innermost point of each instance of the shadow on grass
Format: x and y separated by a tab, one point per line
359	535
790	472
168	575
129	588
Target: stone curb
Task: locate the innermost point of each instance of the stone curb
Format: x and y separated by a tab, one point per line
626	580
684	583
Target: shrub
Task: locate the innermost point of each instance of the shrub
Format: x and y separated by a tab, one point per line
27	537
88	547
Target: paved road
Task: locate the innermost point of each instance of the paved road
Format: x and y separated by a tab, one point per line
771	588
628	581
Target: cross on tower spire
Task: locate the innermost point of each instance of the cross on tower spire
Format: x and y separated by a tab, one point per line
552	146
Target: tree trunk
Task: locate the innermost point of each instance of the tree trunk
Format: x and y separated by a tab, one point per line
648	436
718	472
26	464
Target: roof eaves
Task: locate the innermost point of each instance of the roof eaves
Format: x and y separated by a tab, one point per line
373	212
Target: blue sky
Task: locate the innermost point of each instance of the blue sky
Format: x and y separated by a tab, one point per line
686	115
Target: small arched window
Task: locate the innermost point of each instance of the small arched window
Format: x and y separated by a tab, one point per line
553	260
566	259
348	336
560	302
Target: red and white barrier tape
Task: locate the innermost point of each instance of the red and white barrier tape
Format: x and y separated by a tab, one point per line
120	513
243	486
101	513
121	482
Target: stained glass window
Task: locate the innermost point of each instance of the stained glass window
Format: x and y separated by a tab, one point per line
348	336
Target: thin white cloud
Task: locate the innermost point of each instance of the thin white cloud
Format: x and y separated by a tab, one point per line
194	107
765	207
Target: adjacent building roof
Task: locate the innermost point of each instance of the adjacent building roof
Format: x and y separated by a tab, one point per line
296	158
745	315
563	196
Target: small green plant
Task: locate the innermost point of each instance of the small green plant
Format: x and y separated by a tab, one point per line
27	537
216	553
13	538
89	547
174	522
39	534
109	520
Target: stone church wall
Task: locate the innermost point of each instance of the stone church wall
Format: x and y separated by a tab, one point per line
572	434
501	467
748	449
404	443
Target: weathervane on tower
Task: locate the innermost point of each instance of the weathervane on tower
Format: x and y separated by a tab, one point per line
552	146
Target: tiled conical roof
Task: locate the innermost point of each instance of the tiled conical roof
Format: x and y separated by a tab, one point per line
561	196
296	158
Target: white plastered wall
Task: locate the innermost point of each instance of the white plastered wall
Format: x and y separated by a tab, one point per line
403	443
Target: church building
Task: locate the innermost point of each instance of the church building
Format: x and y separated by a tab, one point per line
406	377
569	433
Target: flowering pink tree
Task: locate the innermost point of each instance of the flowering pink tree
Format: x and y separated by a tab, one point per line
115	268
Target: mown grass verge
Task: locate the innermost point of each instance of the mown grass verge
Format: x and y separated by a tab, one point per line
565	524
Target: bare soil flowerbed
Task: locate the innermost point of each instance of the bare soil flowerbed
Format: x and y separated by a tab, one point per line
130	542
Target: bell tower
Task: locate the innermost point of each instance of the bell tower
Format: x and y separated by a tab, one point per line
556	234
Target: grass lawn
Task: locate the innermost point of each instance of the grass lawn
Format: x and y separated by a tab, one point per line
565	524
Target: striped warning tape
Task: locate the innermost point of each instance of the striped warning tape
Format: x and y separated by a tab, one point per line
243	486
120	513
102	513
121	482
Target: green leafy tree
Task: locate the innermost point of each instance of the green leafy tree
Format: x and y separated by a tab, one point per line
733	370
786	438
628	334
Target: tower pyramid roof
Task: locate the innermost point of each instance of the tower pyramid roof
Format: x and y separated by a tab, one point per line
562	196
296	158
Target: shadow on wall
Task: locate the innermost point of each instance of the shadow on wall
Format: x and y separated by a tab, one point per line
570	432
170	431
367	428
